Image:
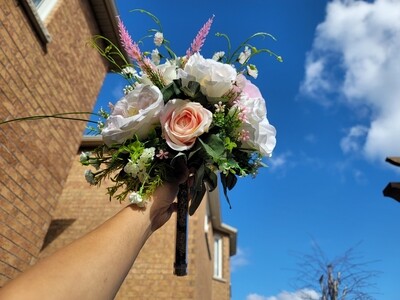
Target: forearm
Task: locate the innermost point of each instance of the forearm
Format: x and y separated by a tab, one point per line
92	267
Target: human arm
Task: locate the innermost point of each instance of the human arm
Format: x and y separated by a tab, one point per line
94	266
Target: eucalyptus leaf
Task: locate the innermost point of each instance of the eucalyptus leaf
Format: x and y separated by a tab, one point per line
168	92
214	147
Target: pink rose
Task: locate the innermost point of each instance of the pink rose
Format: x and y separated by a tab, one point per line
182	122
247	88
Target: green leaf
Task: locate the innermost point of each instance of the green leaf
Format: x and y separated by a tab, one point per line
168	92
214	147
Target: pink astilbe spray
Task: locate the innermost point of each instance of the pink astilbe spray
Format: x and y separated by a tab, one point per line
134	52
130	47
200	38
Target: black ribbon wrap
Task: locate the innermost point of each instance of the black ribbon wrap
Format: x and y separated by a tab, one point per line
180	265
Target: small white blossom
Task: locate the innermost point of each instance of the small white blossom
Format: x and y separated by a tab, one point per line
128	71
89	176
158	38
84	157
137	199
219	107
244	55
148	154
218	55
155	57
132	168
252	71
127	89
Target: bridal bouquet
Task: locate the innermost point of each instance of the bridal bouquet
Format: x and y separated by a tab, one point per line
204	112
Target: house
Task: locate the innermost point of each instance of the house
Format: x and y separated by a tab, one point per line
48	67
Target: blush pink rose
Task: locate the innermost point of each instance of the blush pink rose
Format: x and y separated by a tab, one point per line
182	122
247	88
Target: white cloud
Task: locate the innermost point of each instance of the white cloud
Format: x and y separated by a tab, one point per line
354	138
362	39
239	260
303	294
279	161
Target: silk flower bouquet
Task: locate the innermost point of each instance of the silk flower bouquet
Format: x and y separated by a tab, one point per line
204	111
200	112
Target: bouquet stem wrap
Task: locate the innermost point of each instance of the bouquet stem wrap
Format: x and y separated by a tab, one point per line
180	265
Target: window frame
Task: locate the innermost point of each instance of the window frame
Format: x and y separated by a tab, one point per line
37	19
218	257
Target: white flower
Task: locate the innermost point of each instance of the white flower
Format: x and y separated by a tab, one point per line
219	107
134	114
261	134
84	157
218	55
137	199
215	78
132	168
148	154
128	71
89	176
158	38
252	71
244	55
155	57
262	137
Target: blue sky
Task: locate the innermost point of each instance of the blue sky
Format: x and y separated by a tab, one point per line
335	104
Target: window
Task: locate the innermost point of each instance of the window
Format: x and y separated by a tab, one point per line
44	7
218	256
37	11
207	219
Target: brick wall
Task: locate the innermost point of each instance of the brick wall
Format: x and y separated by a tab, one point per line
35	156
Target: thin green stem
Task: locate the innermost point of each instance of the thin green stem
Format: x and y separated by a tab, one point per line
55	116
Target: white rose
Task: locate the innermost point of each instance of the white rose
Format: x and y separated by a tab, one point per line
262	137
215	78
134	114
261	132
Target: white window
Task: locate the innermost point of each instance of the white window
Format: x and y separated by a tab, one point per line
44	7
207	219
218	256
37	11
